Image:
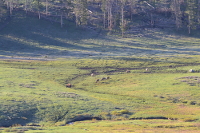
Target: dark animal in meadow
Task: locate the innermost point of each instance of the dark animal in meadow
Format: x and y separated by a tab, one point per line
68	85
97	80
128	71
108	77
172	118
191	70
103	78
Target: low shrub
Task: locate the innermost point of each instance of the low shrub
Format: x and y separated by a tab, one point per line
7	130
146	116
53	113
119	113
82	117
60	123
168	126
32	124
116	113
105	115
189	119
185	101
124	111
16	125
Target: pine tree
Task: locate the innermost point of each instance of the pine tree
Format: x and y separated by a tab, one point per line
192	14
176	9
132	4
37	5
104	10
81	12
2	9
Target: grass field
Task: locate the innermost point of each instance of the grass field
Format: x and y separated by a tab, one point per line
140	84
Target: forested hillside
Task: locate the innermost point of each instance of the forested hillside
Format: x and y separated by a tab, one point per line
124	16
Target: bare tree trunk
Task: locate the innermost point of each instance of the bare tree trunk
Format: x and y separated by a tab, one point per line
122	13
39	16
110	16
11	6
131	6
46	7
104	20
152	20
198	12
8	4
61	20
26	6
189	25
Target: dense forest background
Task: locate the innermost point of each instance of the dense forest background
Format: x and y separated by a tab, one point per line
113	15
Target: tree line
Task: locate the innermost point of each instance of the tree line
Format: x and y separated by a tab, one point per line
112	14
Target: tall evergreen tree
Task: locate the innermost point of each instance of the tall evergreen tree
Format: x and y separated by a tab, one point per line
81	12
176	9
37	5
192	14
104	10
2	8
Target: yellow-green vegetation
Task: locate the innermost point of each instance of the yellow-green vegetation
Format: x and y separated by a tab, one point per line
35	93
130	126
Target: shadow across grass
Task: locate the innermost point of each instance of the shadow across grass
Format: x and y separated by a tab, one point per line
24	116
28	36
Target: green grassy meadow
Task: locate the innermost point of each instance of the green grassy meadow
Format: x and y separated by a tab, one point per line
140	84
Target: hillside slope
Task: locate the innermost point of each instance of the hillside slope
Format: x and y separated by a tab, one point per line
136	78
29	36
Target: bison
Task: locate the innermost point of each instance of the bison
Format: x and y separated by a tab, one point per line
68	85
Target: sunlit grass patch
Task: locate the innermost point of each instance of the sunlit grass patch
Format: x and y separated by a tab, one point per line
39	88
55	74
